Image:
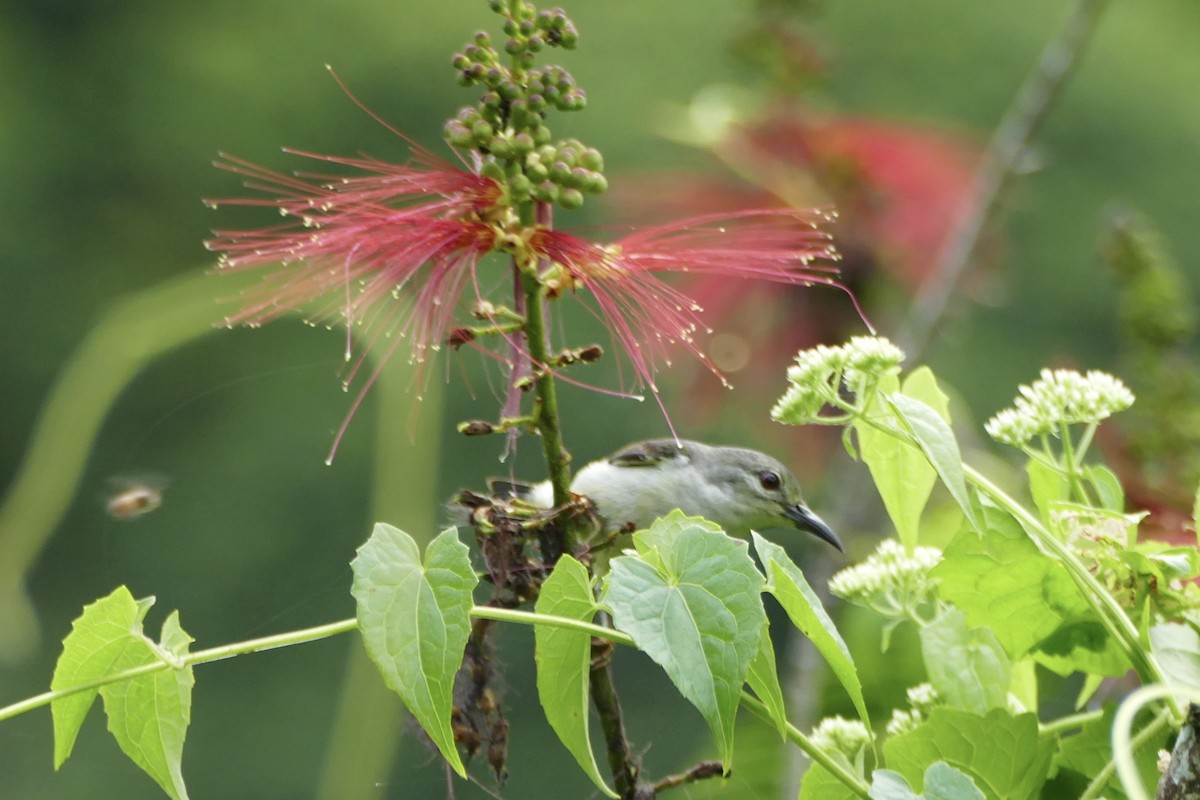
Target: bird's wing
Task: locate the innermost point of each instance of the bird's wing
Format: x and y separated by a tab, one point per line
509	490
647	454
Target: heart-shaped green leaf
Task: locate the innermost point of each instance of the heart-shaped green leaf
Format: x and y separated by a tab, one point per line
415	619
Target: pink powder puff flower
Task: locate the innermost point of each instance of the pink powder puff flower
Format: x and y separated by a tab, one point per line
645	314
392	249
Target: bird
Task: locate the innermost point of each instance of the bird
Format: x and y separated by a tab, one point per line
737	488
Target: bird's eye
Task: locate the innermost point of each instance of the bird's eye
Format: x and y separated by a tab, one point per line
770	481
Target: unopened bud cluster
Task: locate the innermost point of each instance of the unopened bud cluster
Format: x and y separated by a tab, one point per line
508	125
836	376
840	735
1059	397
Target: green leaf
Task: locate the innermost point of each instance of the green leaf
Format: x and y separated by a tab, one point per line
1001	753
936	440
696	612
942	782
149	714
1176	647
968	667
763	679
415	620
819	784
1047	485
1002	581
901	472
1196	514
1108	487
888	784
94	649
563	659
787	583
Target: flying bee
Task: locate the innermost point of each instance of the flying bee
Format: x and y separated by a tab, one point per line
131	498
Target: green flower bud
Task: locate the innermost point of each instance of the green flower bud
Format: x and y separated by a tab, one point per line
595	184
541	135
519	188
536	43
458	135
482	39
502	147
483	132
509	27
508	89
536	102
547	192
536	170
523	143
527	27
460	61
580	178
492	170
560	173
570	198
592	159
513	46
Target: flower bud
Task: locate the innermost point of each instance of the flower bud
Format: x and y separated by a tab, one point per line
570	198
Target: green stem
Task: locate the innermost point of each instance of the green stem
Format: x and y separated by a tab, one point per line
819	756
1071	463
1055	727
1105	605
1155	729
301	637
191	659
558	461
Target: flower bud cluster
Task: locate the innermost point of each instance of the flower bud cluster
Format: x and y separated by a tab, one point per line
826	375
1059	397
922	699
891	581
840	735
508	125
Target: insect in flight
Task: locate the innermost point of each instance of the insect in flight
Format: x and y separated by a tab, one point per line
131	498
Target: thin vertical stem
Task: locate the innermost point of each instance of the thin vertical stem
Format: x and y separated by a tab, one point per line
1009	141
558	460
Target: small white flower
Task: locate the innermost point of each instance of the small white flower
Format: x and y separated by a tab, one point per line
891	581
1014	427
1059	397
823	375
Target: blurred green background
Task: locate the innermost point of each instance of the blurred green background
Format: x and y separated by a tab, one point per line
110	114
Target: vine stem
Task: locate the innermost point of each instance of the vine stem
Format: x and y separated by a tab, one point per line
819	756
303	636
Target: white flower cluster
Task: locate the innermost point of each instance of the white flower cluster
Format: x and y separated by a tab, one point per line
1059	397
838	734
819	373
891	580
921	700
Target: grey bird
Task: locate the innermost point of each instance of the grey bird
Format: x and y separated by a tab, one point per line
737	488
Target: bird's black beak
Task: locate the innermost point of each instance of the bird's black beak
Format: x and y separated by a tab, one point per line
807	520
